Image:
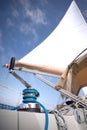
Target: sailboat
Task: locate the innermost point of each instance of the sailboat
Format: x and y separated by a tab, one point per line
62	54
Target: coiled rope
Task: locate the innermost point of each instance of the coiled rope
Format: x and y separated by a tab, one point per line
30	96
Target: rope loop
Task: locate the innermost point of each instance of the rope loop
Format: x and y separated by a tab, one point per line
30	96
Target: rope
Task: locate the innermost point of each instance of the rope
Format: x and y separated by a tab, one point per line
61	123
30	96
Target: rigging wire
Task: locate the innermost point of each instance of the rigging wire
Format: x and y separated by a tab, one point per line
6	93
77	57
11	89
20	95
65	93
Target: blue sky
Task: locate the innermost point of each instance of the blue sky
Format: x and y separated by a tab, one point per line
23	25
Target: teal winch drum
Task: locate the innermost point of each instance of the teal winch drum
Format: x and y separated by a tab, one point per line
30	96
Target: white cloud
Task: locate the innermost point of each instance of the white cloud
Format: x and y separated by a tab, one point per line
0	35
14	7
26	28
26	16
35	34
1	47
25	3
15	12
35	14
9	22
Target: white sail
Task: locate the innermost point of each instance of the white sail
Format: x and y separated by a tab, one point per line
63	44
57	51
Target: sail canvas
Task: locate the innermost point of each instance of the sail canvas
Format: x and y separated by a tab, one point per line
59	49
